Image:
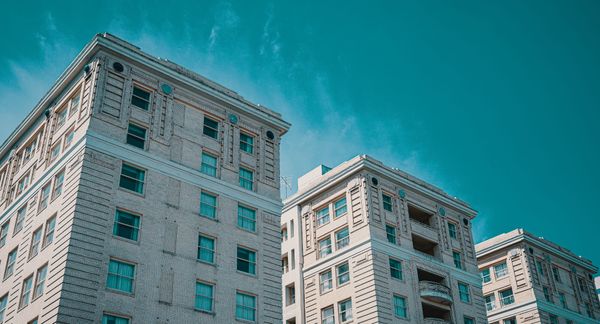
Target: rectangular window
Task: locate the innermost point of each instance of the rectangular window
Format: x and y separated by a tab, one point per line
206	249
323	216
49	231
506	297
342	238
390	232
490	302
457	260
127	225
140	98
325	281
3	302
26	292
136	136
343	273
485	275
55	152
290	294
211	128
340	207
547	294
59	179
464	292
510	321
247	218
61	117
245	307
208	205
588	310
345	310
246	179
74	104
540	267
468	320
209	165
40	281
500	270
20	219
246	143
68	139
327	315
553	319
132	178
452	230
563	300
44	197
121	276
396	269
400	309
556	273
204	297
4	233
246	260
23	183
112	319
10	263
36	239
387	202
325	247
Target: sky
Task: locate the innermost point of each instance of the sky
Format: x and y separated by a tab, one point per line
496	102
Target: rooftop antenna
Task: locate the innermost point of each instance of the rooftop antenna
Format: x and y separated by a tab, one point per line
285	181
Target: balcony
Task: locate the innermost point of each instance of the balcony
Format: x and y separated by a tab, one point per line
435	314
426	246
424	230
435	292
435	321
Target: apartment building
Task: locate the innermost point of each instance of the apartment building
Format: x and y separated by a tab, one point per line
366	243
137	191
528	279
597	281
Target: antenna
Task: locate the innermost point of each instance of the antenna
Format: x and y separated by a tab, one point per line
285	181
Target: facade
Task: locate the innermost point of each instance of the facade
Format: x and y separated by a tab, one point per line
365	243
137	191
597	281
527	279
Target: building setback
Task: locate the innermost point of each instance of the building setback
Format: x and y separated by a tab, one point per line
137	191
527	279
366	243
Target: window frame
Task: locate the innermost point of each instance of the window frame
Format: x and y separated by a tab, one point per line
322	218
253	308
389	203
247	144
241	218
57	185
210	128
393	234
211	297
344	242
133	281
398	270
466	293
38	288
136	231
452	230
404	307
330	248
252	264
340	312
343	209
205	166
11	264
50	220
339	275
26	290
214	208
137	96
244	180
201	248
137	181
129	135
328	319
35	243
322	285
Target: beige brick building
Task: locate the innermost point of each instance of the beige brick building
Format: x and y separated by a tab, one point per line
527	279
137	191
365	243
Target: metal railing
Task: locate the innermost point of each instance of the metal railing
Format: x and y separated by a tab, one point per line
432	320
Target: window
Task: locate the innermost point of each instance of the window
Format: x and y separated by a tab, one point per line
325	247
61	117
206	249
208	205
387	202
10	263
20	219
4	233
40	281
246	143
127	225
506	297
396	269
343	273
452	230
323	216
209	165
246	179
35	242
391	233
29	150
510	321
211	128
563	300
490	302
485	275
44	196
400	309
468	320
340	207
588	310
112	319
132	178
290	294
247	218
325	281
457	260
500	270
26	292
23	183
547	295
556	273
204	297
140	98
49	231
59	179
69	138
540	267
345	309
55	152
121	276
245	307
292	228
327	315
553	319
3	302
246	260
342	238
136	136
74	104
464	293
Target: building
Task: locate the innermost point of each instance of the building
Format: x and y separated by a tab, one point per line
367	243
527	279
597	281
137	191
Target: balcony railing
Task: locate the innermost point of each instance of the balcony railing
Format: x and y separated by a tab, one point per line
431	320
435	291
504	301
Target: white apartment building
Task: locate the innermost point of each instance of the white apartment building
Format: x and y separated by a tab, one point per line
528	279
137	191
366	243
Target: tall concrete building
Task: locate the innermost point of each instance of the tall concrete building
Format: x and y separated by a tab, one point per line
137	191
366	243
527	279
597	281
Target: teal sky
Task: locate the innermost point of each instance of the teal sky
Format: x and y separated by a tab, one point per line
497	102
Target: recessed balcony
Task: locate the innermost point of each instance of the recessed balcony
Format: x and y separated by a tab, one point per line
435	292
435	321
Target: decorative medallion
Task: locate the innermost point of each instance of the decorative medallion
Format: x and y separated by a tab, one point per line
233	118
442	211
166	89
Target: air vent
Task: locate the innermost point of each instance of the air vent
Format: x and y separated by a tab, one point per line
87	69
530	251
466	222
442	211
270	135
118	67
374	181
